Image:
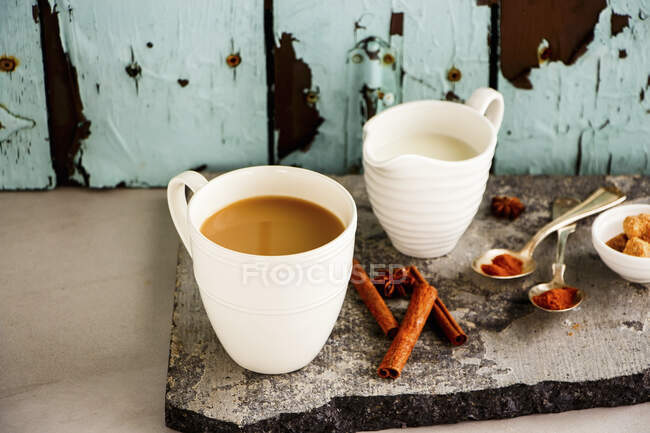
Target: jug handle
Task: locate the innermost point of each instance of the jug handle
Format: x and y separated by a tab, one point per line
178	203
489	103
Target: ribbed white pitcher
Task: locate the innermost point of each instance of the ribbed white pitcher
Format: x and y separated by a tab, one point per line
426	204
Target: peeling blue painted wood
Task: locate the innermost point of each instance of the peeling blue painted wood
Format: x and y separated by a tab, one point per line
25	161
438	35
324	33
374	83
587	118
155	84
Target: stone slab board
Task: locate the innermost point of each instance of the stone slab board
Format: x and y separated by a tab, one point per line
518	360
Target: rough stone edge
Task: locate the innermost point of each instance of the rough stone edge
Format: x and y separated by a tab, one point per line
347	414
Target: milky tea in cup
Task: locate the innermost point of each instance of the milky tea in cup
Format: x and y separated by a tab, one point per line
272	225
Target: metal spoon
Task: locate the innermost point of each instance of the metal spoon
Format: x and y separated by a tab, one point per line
601	199
560	207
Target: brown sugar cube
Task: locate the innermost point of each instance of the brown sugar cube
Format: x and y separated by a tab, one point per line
637	226
646	218
618	242
637	247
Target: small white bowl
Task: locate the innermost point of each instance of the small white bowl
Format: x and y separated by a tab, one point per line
609	224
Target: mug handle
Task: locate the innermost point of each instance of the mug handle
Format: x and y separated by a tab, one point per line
178	203
488	102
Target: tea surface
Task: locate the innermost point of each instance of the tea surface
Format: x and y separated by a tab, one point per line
436	146
272	226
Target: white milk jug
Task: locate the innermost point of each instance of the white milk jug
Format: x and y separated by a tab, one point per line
426	164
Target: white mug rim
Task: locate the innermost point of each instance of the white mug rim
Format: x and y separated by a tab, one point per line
349	225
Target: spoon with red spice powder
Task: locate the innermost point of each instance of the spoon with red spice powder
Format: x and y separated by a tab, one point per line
601	199
556	295
559	299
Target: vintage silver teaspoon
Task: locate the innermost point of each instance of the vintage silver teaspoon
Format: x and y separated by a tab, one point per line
560	207
602	199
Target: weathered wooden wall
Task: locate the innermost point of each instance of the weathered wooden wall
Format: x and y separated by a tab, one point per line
138	91
24	147
158	90
576	103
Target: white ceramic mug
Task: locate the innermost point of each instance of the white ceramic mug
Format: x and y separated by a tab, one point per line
424	204
272	314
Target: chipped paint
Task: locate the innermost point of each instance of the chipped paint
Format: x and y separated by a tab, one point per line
459	41
324	44
396	24
421	57
296	119
35	13
587	117
11	123
25	161
586	112
618	23
566	25
145	138
67	122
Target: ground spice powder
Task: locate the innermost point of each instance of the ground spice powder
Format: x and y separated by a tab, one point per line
503	265
557	299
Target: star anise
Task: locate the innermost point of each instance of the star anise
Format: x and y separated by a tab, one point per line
380	278
507	207
399	283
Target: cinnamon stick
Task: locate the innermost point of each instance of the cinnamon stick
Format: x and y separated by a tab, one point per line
422	301
448	324
373	300
441	314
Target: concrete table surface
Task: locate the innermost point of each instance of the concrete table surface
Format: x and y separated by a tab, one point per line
86	282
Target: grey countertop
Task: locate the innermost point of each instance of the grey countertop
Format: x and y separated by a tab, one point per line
86	279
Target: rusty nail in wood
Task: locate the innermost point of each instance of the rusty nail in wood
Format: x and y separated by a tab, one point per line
8	63
311	97
233	60
545	54
454	74
388	99
133	70
149	44
388	59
